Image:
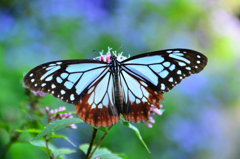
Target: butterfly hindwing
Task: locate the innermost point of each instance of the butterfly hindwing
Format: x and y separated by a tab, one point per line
137	97
98	105
164	69
67	80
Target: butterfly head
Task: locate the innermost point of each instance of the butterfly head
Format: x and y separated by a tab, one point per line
113	58
110	55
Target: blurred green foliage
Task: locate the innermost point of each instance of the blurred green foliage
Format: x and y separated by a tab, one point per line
201	118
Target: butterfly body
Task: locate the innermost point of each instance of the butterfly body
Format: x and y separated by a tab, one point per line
101	91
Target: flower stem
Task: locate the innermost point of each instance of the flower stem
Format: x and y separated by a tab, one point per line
99	142
91	143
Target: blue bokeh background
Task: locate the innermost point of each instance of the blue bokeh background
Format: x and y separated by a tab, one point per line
201	118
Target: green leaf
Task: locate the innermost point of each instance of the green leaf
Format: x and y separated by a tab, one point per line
103	153
47	150
29	130
63	137
104	129
56	125
63	151
5	126
112	156
41	144
136	131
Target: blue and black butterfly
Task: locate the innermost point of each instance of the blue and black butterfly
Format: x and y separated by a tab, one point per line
101	91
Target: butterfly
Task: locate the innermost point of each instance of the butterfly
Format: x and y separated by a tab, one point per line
101	91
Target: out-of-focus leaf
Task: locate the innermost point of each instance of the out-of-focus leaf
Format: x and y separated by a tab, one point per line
29	130
63	137
111	156
136	131
104	129
41	144
5	126
56	125
63	151
103	153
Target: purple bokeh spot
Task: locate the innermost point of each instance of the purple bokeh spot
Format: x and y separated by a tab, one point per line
193	84
6	24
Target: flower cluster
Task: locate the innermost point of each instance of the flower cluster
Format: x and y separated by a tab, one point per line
38	93
153	110
57	115
106	58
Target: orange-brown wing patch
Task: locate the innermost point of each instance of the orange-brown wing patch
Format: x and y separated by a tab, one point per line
138	98
97	106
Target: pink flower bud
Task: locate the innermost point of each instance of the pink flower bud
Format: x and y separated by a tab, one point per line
47	109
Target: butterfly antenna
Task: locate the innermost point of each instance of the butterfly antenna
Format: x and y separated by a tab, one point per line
120	47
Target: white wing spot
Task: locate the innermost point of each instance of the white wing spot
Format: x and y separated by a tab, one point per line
43	84
31	75
179	58
53	86
52	92
138	101
179	72
169	51
68	84
61	97
64	75
196	66
100	106
164	73
52	64
32	80
188	68
72	97
93	106
49	78
49	68
59	80
58	96
63	92
172	67
180	77
59	63
90	100
170	79
198	56
162	86
166	64
176	51
35	85
181	64
145	92
50	72
198	62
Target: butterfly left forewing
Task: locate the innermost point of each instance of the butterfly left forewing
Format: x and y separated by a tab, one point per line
67	80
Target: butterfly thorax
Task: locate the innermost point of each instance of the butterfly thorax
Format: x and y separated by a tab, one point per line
114	67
